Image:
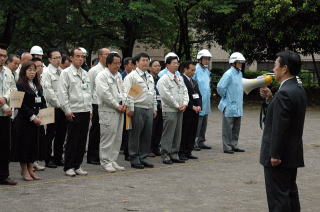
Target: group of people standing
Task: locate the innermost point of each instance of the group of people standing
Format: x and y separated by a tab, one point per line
168	117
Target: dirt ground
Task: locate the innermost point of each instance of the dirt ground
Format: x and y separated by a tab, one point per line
216	182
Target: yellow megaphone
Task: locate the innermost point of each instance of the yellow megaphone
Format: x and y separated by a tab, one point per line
261	81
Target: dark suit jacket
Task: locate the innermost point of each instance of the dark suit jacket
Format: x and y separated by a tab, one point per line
29	107
282	135
191	91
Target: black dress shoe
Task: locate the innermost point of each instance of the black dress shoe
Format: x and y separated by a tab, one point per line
167	161
203	146
8	181
93	162
51	164
178	161
191	157
183	157
137	166
238	150
59	163
228	151
147	164
196	148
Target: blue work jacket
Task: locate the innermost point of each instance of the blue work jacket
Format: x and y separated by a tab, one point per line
202	77
231	91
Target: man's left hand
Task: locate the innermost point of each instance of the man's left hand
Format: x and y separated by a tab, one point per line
275	162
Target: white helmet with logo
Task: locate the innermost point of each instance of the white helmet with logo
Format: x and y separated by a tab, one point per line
36	50
236	57
84	51
170	54
203	53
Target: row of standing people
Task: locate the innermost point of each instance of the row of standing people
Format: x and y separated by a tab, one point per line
71	92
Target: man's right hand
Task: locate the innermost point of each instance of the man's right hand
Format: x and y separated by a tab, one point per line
70	116
121	108
36	121
130	113
2	101
8	112
266	93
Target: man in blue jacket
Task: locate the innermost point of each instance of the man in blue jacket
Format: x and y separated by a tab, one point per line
231	105
202	77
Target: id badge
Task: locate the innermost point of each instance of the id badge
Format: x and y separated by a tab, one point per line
84	86
158	97
195	96
37	99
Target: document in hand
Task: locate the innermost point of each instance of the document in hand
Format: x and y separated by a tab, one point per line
16	99
46	115
135	90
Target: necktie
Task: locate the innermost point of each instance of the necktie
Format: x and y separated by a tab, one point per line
175	78
144	76
192	83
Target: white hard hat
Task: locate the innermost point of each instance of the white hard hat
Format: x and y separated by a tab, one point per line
236	56
84	51
36	50
170	54
203	53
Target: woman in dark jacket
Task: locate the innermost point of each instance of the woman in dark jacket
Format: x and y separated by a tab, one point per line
29	132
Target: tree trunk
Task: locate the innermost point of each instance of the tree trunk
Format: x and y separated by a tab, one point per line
129	39
9	27
184	45
316	70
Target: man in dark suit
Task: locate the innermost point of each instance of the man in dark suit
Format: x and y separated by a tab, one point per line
282	147
191	114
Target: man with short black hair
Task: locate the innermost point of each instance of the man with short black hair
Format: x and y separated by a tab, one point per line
111	97
7	84
65	62
56	131
174	99
127	66
13	63
142	109
76	101
191	114
282	145
94	134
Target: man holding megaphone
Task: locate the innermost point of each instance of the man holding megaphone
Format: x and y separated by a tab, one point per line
231	105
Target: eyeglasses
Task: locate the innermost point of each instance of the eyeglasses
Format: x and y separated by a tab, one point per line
118	63
3	55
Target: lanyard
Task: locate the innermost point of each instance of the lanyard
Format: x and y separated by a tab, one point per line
144	79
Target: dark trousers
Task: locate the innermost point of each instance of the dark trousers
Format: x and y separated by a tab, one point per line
76	140
57	132
94	136
4	146
189	131
125	138
157	132
140	135
282	190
